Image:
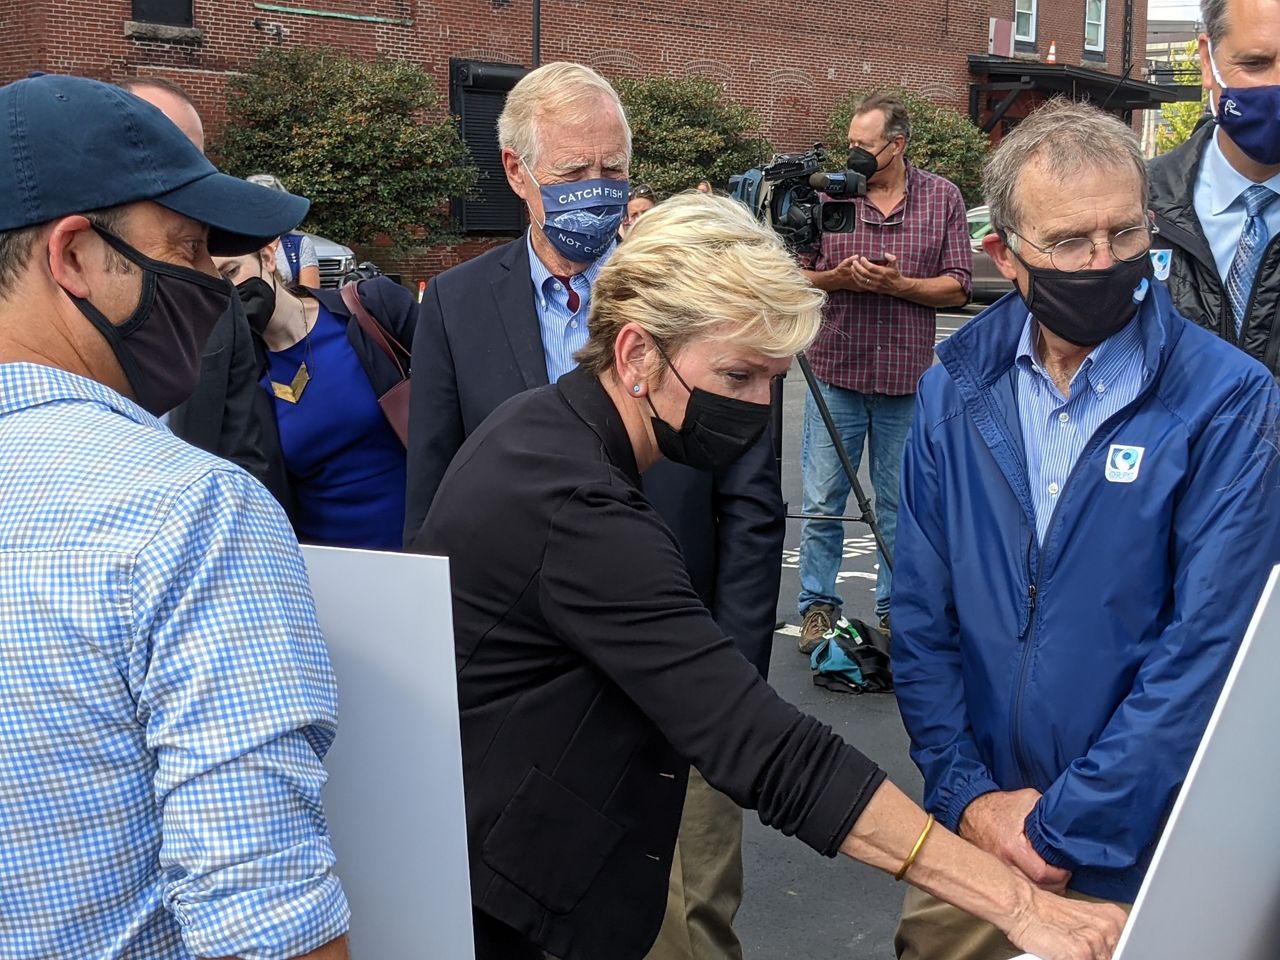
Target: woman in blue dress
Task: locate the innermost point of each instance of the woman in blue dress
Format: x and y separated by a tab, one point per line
343	464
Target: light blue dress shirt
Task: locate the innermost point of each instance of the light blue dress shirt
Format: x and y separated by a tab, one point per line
1220	209
166	693
1055	429
564	332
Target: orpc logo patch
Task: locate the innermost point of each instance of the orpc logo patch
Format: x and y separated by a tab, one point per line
1123	462
1161	261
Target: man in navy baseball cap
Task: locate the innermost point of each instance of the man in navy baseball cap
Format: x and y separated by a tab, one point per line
86	166
71	145
168	697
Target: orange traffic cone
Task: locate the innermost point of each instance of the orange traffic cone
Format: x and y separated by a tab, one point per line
1053	52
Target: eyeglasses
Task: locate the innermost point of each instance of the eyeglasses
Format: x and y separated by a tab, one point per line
895	219
1077	253
643	192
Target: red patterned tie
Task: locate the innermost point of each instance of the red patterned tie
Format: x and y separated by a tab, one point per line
573	294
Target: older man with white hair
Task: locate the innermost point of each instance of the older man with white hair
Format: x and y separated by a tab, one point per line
1090	507
512	319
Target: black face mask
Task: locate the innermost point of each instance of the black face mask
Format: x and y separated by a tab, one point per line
259	301
862	161
717	430
159	345
1088	306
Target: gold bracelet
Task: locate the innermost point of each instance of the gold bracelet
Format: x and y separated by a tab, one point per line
915	851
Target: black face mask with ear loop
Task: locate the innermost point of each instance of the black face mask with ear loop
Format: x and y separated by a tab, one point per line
158	346
259	301
717	430
863	161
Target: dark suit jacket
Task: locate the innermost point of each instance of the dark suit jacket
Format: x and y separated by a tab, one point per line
479	343
590	674
221	415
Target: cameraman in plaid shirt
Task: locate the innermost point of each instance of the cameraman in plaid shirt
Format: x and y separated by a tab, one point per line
885	282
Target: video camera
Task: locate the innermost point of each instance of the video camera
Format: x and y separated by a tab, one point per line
785	194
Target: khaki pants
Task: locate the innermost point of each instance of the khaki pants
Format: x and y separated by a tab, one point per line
705	890
933	930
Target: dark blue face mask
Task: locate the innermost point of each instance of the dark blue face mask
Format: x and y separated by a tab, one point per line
1250	116
582	218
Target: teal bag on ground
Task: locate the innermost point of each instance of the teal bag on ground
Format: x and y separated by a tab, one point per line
853	657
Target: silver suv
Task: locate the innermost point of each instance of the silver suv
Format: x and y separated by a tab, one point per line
336	260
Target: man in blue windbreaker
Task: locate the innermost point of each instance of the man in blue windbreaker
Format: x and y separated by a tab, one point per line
1090	507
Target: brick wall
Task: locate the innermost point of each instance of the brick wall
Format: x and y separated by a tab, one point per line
790	70
22	37
1062	21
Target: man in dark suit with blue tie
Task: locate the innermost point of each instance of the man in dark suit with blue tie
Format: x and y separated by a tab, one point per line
511	320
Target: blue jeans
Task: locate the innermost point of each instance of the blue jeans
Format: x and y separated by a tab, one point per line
881	421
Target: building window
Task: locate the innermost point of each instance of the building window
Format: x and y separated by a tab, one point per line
477	92
1095	26
171	13
1024	20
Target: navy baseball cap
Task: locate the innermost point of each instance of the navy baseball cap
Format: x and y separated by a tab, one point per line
73	145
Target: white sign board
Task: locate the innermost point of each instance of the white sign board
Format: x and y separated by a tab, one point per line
1213	890
394	798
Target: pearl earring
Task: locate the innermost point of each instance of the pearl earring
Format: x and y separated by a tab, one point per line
636	389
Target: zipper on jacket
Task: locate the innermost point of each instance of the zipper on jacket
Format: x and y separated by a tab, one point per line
1033	589
1019	752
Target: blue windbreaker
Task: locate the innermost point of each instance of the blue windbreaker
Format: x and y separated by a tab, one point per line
1086	668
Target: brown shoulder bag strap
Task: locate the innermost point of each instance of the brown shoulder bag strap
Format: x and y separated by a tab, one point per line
386	343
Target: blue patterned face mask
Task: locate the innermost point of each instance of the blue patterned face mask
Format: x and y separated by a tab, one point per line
582	218
1250	116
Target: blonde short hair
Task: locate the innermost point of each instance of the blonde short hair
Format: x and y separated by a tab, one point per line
566	90
695	267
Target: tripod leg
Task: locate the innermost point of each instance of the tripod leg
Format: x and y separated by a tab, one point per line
868	515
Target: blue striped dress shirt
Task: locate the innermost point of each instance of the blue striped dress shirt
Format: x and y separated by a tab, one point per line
564	331
1055	429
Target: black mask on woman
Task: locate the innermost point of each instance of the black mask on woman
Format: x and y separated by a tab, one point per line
717	430
259	301
1088	306
158	346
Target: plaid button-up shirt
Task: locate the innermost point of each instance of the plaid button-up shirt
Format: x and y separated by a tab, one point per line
874	343
166	693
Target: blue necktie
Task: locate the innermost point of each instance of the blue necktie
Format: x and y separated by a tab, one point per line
1253	243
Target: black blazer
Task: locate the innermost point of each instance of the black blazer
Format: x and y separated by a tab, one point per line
589	672
220	416
479	343
394	308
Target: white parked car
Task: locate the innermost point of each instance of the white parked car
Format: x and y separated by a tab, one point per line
336	260
989	285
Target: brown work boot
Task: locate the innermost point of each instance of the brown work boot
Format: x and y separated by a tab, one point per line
818	619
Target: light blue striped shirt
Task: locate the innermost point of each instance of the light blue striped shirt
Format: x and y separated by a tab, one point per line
1056	429
1219	205
564	332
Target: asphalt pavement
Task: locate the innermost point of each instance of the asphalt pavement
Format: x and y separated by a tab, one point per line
799	905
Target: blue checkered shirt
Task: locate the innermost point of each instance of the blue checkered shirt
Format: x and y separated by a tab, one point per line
165	694
564	332
1055	429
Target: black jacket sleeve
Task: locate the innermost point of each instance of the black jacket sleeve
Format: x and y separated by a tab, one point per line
435	415
241	439
750	527
221	415
613	588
